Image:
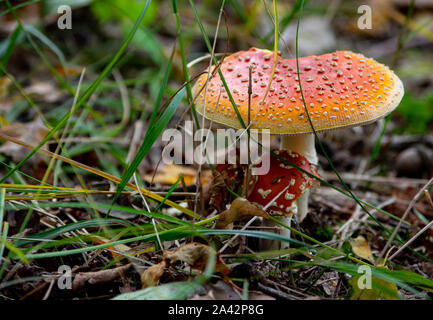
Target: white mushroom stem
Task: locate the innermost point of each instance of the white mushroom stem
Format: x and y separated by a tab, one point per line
266	244
304	145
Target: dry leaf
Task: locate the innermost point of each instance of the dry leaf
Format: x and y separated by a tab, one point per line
30	132
196	255
239	209
69	71
169	174
118	247
44	91
151	275
361	248
226	176
4	86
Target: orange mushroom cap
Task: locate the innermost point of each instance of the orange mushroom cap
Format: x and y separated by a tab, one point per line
279	178
341	89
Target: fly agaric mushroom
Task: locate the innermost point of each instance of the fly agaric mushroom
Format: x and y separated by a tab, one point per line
282	186
341	90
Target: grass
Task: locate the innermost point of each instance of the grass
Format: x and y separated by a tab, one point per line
78	238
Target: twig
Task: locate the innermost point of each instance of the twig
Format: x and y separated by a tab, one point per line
366	178
276	293
412	239
418	233
47	294
409	208
98	277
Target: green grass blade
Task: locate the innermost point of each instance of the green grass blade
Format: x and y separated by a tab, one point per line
255	234
18	253
18	6
209	47
170	191
153	133
167	235
88	92
44	39
3	229
101	206
2	207
11	42
286	19
3	237
168	291
53	233
161	90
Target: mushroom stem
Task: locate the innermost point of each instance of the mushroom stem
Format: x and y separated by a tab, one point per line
302	144
266	244
284	231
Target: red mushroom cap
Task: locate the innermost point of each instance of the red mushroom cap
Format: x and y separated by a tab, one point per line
341	89
280	175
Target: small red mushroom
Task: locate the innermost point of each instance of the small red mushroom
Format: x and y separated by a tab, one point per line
278	191
283	182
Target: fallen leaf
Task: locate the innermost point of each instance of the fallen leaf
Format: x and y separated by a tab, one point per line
151	275
5	82
169	174
361	248
225	177
119	247
44	91
69	71
380	289
196	255
239	209
30	132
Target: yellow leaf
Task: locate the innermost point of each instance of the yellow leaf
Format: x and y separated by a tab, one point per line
361	248
169	174
380	289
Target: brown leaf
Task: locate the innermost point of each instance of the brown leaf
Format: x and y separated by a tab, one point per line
239	209
119	247
31	133
231	176
151	276
196	255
